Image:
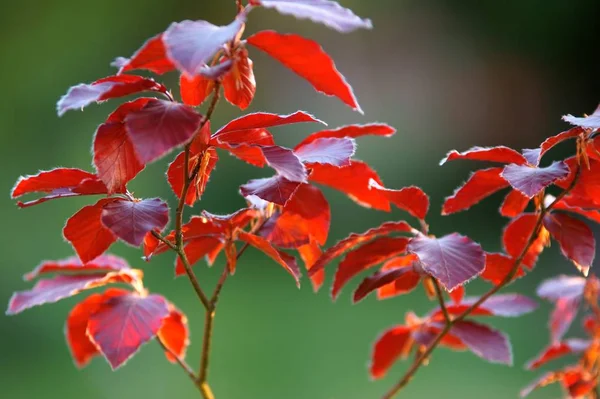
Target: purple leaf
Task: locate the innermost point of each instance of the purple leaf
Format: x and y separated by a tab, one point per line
506	305
589	122
217	71
562	286
124	323
159	127
285	162
327	150
104	89
452	259
276	189
190	45
483	341
531	180
326	12
131	220
563	315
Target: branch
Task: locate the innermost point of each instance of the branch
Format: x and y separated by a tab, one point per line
188	370
440	298
449	324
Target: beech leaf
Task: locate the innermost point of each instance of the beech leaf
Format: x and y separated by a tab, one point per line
531	180
478	186
327	150
452	259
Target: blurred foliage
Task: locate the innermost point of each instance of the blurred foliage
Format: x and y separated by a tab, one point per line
446	74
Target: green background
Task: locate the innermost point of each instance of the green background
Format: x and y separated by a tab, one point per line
446	74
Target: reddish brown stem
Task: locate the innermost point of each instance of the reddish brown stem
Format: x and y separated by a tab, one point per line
419	361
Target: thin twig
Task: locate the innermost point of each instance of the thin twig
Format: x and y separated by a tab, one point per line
515	268
188	370
441	300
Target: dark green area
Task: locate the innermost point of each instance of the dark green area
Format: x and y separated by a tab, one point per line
446	74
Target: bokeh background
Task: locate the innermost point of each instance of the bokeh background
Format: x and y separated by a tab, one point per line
447	74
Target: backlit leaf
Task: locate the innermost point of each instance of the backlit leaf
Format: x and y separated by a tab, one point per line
589	122
326	12
174	334
151	56
287	261
285	162
239	85
355	239
478	186
190	45
72	264
82	348
410	199
531	180
514	204
393	344
276	189
86	233
351	131
405	277
575	238
263	120
497	268
131	220
307	59
57	183
366	256
353	180
124	323
452	259
557	350
104	89
499	154
517	234
160	126
327	150
485	342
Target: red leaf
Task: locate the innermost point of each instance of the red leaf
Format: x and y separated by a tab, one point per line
197	249
194	90
104	89
517	233
131	220
325	12
392	344
531	180
115	158
351	131
332	151
562	205
575	238
514	204
453	259
480	185
411	199
58	183
554	140
82	348
589	122
175	174
102	263
355	239
239	85
310	253
497	267
276	189
285	162
174	334
586	192
405	283
86	233
405	277
190	45
64	286
485	342
563	315
287	261
263	120
499	154
307	59
353	180
458	294
122	324
151	56
366	256
160	126
304	217
558	350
